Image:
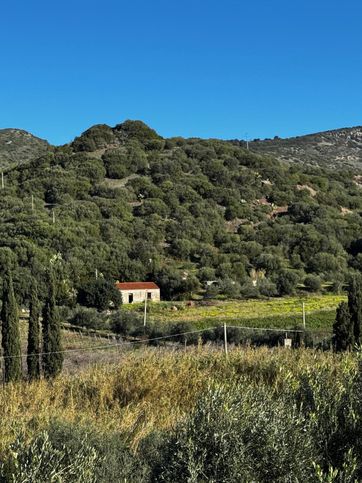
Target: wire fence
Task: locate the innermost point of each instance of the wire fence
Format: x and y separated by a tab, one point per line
76	358
105	347
267	329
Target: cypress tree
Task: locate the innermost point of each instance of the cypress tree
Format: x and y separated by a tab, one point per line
52	357
355	306
33	358
10	331
343	328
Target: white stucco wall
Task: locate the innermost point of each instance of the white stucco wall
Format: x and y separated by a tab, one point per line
140	295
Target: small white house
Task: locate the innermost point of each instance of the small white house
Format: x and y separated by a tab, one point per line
133	292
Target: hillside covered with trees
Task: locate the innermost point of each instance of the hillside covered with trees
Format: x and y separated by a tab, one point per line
134	206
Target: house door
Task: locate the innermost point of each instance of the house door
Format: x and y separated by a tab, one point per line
130	298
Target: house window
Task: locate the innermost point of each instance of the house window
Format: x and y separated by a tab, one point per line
149	295
130	298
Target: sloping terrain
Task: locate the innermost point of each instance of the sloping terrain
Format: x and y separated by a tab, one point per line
181	212
339	148
18	146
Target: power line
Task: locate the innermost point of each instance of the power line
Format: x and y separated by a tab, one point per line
263	328
108	346
142	341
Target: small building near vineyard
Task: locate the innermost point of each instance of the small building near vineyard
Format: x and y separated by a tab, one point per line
133	292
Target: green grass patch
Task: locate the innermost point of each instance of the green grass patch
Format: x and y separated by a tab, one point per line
279	312
322	320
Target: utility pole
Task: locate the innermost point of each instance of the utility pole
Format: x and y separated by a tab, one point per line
145	314
2	180
225	340
53	216
303	308
32	203
96	273
247	141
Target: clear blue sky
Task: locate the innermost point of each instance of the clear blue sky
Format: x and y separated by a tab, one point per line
193	67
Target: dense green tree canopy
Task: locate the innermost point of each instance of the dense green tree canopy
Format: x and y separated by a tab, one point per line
135	206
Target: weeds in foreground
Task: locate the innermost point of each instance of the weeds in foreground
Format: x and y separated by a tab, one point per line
152	388
195	415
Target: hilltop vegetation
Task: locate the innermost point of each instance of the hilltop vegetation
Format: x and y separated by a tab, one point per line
18	146
181	212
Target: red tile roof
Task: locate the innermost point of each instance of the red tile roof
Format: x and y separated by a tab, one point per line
137	286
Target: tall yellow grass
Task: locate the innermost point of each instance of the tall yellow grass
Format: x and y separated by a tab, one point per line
152	389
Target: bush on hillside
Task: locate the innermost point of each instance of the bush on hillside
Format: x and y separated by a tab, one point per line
96	137
313	283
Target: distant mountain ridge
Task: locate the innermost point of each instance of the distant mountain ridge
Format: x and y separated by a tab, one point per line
18	146
340	148
335	148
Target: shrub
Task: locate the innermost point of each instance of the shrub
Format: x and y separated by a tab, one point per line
100	294
154	330
238	435
182	328
87	317
229	288
267	288
287	282
212	291
248	290
42	462
126	323
115	162
310	430
138	130
335	415
115	460
96	137
313	283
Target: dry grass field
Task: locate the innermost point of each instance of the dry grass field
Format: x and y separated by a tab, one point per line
151	389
